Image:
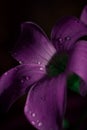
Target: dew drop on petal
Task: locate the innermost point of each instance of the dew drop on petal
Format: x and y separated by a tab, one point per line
39	63
40	124
33	122
20	62
60	40
33	115
27	77
22	81
5	73
67	38
41	68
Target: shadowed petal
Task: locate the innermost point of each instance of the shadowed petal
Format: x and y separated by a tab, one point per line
66	32
15	82
78	64
45	103
83	16
33	45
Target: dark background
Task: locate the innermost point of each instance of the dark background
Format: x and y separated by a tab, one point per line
45	13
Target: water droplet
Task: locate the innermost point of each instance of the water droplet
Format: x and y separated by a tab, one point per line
22	81
39	63
20	62
67	38
60	39
27	77
33	114
40	124
33	122
5	73
41	68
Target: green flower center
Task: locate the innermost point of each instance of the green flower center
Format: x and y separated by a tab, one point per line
58	65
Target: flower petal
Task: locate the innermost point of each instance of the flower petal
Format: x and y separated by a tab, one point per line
83	16
33	45
78	64
66	32
16	82
45	105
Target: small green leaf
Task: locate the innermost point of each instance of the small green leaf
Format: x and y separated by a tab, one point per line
65	123
73	83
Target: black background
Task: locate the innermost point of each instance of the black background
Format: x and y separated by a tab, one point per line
45	13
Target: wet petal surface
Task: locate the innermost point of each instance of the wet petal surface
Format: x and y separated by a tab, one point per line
16	82
33	45
78	64
45	103
66	32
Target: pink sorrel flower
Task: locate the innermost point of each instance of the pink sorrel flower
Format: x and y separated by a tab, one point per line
44	70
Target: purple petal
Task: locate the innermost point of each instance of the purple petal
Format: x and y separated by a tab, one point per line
45	103
16	82
78	64
33	45
83	16
66	32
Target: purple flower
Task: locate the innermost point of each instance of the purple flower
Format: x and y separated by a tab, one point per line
43	74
